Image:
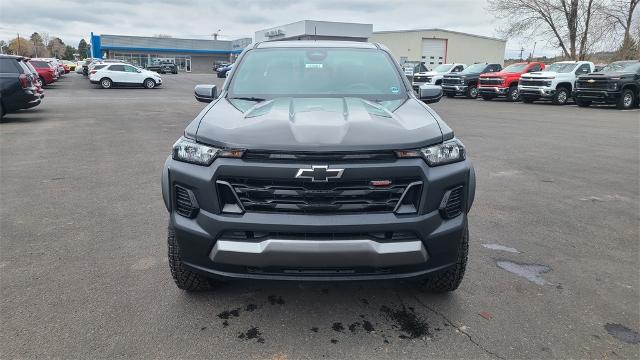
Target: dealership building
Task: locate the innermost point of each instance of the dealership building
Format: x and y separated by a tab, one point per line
430	46
189	55
438	46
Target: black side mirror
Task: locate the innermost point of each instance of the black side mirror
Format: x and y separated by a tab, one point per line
429	94
205	93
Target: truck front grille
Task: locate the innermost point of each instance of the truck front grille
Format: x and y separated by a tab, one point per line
304	196
451	81
421	79
600	84
490	81
533	82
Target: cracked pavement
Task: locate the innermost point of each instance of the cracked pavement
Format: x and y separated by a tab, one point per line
83	261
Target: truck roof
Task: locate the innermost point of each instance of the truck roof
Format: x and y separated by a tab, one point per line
315	44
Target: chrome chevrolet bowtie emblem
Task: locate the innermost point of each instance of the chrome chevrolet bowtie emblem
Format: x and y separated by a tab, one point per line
319	173
591	81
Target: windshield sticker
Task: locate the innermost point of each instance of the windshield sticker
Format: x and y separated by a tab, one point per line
313	66
395	90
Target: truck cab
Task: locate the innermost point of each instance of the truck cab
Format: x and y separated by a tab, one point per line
505	83
434	77
555	83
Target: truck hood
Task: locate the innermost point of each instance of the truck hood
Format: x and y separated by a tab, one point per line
499	74
319	124
607	75
545	74
428	73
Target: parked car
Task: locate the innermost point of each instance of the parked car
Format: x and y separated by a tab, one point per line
18	86
434	77
505	83
555	83
120	74
163	67
36	76
617	83
465	82
345	174
85	66
70	64
79	67
222	72
219	65
46	72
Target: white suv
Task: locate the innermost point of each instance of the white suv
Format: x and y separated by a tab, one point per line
434	77
554	83
121	74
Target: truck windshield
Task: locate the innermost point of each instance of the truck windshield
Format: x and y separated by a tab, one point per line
443	68
474	69
622	66
515	68
317	72
561	67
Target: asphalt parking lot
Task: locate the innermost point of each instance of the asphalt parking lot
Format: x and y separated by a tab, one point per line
553	263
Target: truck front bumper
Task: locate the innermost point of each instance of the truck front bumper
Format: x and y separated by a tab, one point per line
296	246
601	96
538	92
493	90
458	89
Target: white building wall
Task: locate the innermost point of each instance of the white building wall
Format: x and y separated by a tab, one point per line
462	48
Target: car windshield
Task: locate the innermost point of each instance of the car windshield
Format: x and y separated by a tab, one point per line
317	72
443	68
622	66
40	64
561	67
474	69
515	68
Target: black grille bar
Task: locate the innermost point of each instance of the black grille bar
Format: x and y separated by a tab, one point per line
303	196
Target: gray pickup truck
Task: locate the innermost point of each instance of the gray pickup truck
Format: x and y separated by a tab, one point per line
317	161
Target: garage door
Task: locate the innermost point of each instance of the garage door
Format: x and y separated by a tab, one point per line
434	51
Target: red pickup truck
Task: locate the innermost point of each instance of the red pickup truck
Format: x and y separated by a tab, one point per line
505	82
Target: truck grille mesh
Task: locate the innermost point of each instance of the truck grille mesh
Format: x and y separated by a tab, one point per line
451	81
490	81
303	196
601	84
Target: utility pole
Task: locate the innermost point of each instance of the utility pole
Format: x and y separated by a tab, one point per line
18	43
521	50
534	50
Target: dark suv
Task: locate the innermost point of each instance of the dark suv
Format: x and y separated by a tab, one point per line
466	82
317	161
18	86
617	83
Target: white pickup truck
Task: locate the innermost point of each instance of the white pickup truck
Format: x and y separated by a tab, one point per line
554	83
434	77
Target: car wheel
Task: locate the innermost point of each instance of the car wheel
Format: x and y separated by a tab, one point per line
472	92
450	279
583	103
513	94
106	83
184	278
626	99
561	97
488	97
149	83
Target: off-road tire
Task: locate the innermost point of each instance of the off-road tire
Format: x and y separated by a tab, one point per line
583	103
623	102
471	90
559	98
449	280
184	278
513	94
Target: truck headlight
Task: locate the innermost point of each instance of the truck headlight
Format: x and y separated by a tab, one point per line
613	86
448	152
187	150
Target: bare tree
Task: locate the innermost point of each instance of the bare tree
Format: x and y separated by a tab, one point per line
567	23
620	16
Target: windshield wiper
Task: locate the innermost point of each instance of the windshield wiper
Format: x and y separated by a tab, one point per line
250	98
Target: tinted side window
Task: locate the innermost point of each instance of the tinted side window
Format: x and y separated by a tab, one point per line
116	67
535	67
8	66
583	69
129	68
458	68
